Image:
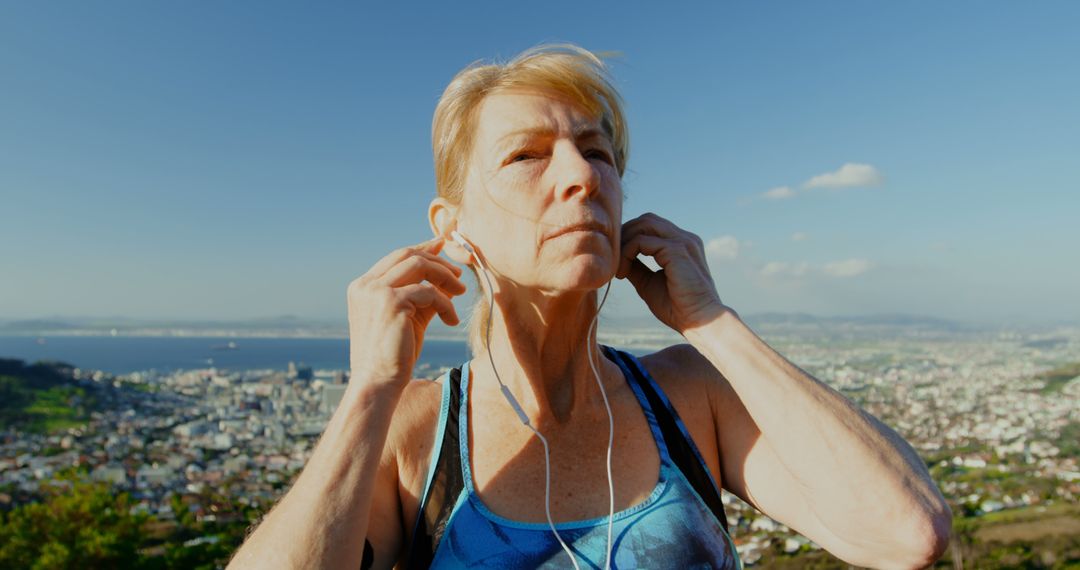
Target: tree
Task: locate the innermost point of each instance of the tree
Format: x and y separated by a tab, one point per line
77	525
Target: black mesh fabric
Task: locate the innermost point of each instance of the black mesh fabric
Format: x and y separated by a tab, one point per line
679	447
446	485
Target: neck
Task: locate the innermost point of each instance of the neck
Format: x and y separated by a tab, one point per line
540	344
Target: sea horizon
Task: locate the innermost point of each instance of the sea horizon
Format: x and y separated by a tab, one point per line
127	354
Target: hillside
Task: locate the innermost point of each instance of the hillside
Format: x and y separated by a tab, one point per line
42	397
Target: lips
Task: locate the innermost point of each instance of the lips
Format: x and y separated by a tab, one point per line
586	226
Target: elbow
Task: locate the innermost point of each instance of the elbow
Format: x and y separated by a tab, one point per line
916	543
927	538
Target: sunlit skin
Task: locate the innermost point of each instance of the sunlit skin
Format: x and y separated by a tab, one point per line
792	447
771	434
540	164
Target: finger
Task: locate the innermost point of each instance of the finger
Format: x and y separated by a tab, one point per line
627	256
647	216
638	273
642	227
627	229
425	297
436	257
440	261
420	268
667	230
661	223
661	249
653	224
630	250
427	248
650	219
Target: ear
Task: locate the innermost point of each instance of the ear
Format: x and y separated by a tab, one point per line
442	216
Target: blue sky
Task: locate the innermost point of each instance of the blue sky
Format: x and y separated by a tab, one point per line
247	159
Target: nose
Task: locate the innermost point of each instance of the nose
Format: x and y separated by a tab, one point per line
575	175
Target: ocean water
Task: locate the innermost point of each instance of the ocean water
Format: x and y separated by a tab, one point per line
123	355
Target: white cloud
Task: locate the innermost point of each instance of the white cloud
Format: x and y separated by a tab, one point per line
850	175
798	236
778	268
723	247
837	269
779	193
774	268
847	267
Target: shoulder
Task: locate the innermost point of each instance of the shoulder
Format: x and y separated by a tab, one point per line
692	385
410	440
680	368
412	431
396	484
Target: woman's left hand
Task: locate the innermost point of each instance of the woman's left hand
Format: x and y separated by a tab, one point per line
682	293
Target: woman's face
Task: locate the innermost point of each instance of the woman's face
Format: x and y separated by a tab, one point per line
540	165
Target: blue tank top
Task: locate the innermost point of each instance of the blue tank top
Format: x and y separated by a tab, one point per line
680	525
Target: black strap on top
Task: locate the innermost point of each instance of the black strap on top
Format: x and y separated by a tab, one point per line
447	484
369	556
679	446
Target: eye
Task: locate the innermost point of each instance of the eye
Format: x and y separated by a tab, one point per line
599	153
523	156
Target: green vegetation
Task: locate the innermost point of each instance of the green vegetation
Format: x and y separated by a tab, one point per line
1030	537
1033	537
1069	439
936	457
42	397
1057	378
57	408
1026	514
79	524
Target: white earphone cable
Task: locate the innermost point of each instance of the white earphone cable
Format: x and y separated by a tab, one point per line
611	429
525	419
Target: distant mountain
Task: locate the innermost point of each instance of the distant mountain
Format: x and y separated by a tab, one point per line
885	320
283	325
34	324
295	326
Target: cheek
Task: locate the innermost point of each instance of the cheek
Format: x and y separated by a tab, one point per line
516	189
523	174
616	199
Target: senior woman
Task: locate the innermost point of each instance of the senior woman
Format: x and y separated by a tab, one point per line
548	449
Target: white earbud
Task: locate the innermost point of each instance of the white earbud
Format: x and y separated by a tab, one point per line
460	239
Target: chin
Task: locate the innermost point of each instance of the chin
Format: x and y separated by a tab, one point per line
575	271
589	278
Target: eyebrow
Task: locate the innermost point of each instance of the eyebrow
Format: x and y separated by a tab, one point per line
583	131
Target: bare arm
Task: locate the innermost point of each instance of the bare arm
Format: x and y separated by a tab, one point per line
805	455
789	445
351	479
322	521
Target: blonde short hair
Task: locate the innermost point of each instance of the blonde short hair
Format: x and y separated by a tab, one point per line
563	69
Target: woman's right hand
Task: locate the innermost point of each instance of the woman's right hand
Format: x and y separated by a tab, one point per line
390	307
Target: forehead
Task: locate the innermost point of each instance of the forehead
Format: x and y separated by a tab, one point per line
507	113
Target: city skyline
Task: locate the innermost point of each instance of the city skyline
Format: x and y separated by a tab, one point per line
205	448
170	162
